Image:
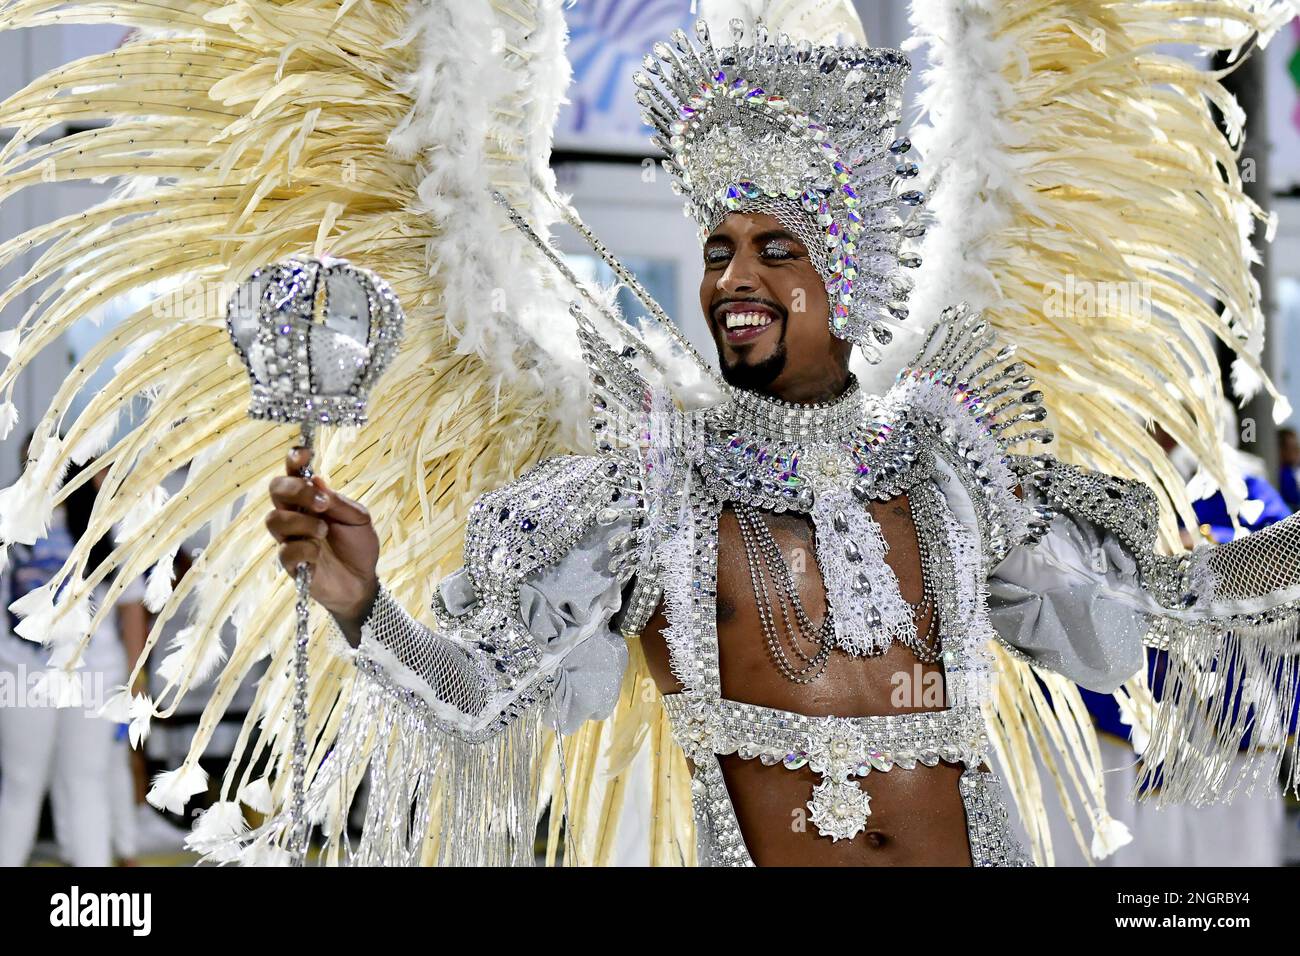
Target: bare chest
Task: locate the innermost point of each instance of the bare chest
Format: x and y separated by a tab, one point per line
762	620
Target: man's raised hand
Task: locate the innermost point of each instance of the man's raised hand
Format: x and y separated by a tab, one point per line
318	526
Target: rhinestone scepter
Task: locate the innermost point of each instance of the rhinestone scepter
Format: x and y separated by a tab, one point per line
314	335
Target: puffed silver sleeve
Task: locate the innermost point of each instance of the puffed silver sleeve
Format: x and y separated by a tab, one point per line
1089	591
528	619
445	720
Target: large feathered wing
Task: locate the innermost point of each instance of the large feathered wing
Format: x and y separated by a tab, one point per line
244	131
1088	202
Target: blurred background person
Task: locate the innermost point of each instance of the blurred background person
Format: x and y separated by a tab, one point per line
69	752
1288	454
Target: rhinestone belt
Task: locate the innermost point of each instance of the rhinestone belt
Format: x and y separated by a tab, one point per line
839	749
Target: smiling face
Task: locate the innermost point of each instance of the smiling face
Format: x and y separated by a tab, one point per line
767	310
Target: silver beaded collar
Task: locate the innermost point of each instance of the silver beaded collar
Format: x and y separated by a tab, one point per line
778	456
775	420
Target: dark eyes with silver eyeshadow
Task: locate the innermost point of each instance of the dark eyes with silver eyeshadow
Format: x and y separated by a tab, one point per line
779	250
773	250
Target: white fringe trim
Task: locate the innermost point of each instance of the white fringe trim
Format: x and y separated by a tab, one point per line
432	797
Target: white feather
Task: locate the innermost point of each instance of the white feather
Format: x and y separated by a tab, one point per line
59	688
140	714
1281	409
29	502
193	652
1110	835
172	789
36	627
248	605
1246	382
216	830
161	580
473	253
1140	735
265	853
9	342
971	149
142	513
68	632
95	440
1250	510
117	708
36	601
256	795
1201	485
8	419
55	625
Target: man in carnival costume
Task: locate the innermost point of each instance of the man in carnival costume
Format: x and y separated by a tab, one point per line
821	581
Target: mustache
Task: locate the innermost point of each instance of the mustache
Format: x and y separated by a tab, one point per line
776	307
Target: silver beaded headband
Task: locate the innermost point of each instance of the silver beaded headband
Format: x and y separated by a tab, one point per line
805	134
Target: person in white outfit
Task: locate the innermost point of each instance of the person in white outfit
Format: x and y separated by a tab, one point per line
68	751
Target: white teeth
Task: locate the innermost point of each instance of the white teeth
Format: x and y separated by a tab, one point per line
736	320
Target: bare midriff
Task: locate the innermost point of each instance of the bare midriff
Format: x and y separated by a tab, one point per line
917	817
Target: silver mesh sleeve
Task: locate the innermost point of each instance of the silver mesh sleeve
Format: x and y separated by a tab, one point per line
448	671
1251	574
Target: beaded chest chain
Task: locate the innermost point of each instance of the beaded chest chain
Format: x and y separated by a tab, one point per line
828	461
767	566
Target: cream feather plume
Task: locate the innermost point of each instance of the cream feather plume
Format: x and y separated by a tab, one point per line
1073	154
243	131
1086	200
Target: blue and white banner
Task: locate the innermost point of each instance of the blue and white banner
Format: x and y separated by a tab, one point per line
607	41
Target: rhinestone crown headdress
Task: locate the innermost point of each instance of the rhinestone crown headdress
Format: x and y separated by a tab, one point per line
806	134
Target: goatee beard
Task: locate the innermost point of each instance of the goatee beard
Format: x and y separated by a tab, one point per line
757	376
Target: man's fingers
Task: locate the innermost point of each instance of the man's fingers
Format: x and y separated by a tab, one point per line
297	460
289	493
288	525
340	508
294	553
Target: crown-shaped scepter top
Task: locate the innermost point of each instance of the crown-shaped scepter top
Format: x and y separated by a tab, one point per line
315	335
